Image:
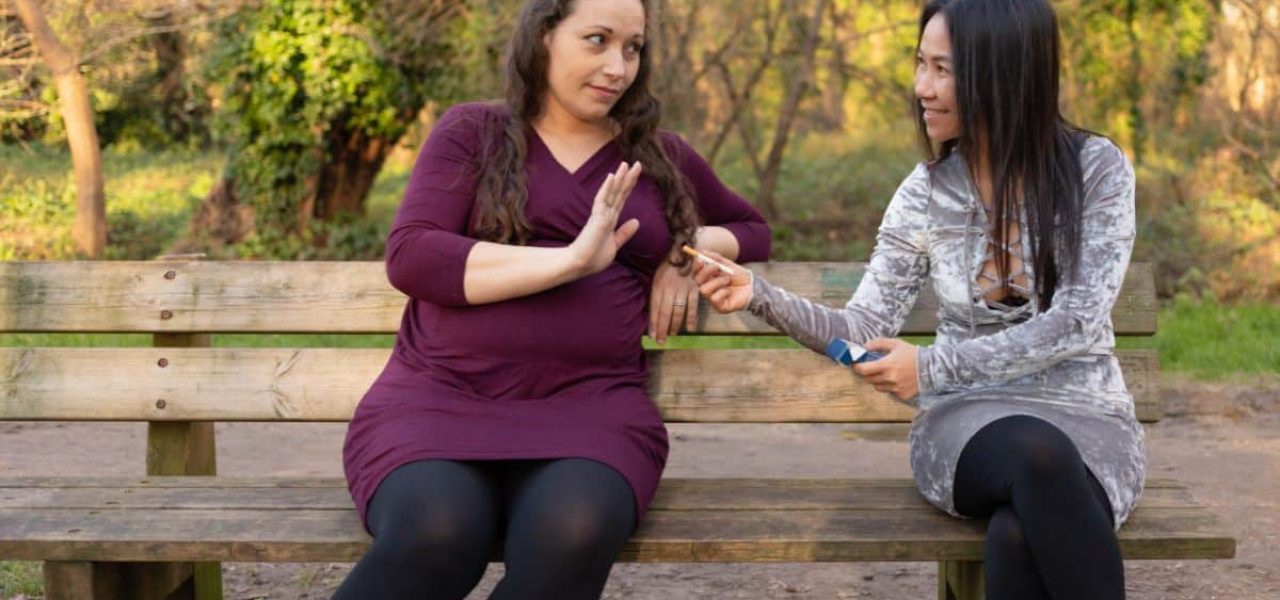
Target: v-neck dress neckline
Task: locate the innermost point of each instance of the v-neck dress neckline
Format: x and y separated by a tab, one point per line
588	168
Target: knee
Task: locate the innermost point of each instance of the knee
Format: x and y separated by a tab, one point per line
1045	453
436	536
578	533
1005	533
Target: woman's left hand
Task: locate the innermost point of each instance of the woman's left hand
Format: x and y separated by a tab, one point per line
674	301
895	372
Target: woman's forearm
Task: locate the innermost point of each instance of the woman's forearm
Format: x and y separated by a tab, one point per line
719	240
497	272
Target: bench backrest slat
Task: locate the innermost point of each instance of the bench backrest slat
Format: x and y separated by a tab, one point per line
324	384
354	297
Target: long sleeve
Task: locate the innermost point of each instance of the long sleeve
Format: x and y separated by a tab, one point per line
427	248
1080	313
898	268
719	205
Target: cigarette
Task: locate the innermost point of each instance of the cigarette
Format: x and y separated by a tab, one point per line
706	259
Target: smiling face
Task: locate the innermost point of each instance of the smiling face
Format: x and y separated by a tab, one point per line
935	83
593	56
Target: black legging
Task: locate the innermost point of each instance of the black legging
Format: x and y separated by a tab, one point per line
1051	531
435	524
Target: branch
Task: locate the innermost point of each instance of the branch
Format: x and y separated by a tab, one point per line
27	105
787	117
739	101
129	36
1252	155
56	55
858	36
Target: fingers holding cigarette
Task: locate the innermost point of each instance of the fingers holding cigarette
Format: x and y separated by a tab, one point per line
703	258
725	285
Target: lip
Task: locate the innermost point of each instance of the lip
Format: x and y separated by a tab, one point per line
933	113
604	92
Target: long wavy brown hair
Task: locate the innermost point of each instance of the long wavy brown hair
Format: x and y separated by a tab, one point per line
503	193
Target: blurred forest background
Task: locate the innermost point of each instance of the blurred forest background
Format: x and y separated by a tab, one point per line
286	129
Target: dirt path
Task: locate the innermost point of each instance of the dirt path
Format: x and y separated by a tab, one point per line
1221	439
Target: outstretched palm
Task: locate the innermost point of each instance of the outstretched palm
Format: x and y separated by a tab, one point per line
600	238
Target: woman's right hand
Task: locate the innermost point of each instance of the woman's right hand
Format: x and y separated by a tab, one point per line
725	292
600	238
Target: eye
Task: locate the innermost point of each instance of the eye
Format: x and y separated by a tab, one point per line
595	38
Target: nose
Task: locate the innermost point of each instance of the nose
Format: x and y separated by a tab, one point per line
924	84
615	65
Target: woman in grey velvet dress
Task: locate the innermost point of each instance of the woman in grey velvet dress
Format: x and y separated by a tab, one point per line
1023	226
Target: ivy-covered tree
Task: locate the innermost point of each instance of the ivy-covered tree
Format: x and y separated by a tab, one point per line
317	93
1134	68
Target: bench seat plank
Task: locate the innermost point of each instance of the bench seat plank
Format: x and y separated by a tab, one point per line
287	384
331	494
701	520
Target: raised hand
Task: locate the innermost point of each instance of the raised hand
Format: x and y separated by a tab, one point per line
600	238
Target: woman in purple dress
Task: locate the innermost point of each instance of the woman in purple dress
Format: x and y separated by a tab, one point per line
513	409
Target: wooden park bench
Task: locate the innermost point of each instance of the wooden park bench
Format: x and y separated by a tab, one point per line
164	535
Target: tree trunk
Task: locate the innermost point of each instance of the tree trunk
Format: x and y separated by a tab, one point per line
341	187
220	218
799	85
352	163
170	49
1135	89
833	113
90	229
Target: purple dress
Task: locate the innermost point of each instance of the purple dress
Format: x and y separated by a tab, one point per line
556	374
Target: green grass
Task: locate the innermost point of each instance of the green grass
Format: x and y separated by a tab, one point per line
149	197
23	578
1211	341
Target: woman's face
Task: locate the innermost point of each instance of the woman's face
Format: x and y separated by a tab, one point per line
593	56
936	84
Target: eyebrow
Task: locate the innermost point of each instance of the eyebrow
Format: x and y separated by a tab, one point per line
935	57
609	30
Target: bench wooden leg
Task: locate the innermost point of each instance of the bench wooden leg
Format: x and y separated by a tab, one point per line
960	580
208	581
78	580
182	448
81	580
158	581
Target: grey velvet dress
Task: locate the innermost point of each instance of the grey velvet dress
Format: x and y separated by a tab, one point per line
991	360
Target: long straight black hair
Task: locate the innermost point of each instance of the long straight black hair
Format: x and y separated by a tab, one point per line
1005	61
